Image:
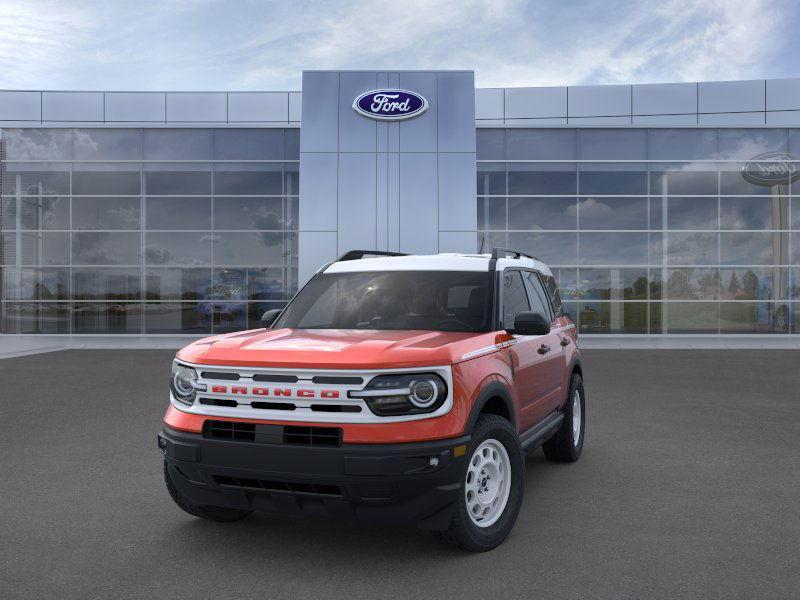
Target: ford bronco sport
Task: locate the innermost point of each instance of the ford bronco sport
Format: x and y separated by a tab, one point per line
392	387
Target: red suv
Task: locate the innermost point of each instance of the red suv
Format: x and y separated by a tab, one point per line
392	387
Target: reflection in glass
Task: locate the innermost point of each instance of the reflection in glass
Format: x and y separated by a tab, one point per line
747	317
177	183
693	284
541	144
248	182
551	248
103	248
178	144
755	283
541	213
612	144
44	212
117	183
107	317
173	212
36	317
676	181
490	144
755	248
177	284
612	213
36	183
248	144
249	213
692	248
39	284
754	213
106	213
522	182
690	317
106	284
107	144
229	316
613	317
176	317
47	248
613	182
682	144
692	213
178	248
613	249
253	248
38	144
491	180
613	284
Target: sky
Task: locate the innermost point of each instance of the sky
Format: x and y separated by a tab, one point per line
265	45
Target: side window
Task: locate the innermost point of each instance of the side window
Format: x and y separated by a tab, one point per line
515	298
555	297
538	299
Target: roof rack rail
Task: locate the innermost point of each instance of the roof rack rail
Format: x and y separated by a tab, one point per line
504	252
357	254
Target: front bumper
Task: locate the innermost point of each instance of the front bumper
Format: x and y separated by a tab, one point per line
397	483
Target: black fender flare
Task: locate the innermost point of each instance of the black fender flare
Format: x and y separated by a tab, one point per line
491	390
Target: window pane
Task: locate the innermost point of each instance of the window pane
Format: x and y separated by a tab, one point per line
105	248
684	183
613	317
106	284
250	284
252	248
107	318
107	144
105	213
613	182
291	179
177	284
291	142
692	213
118	183
491	179
178	248
248	213
613	284
550	248
491	213
515	298
248	182
746	144
732	182
34	317
177	317
490	144
523	182
178	144
608	144
693	284
248	144
613	248
692	248
45	248
44	212
8	214
174	212
749	248
612	213
38	144
229	316
37	284
754	283
754	213
178	183
691	317
747	317
541	144
542	213
682	144
36	183
567	282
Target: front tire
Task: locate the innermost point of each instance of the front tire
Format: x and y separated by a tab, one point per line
566	445
492	487
211	513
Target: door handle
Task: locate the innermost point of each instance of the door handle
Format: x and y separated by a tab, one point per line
565	341
543	349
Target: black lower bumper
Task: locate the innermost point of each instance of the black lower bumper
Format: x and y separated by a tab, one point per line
399	483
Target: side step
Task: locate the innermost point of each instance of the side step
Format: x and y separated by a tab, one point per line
541	432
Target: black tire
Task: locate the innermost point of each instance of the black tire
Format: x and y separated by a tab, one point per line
212	513
463	532
562	447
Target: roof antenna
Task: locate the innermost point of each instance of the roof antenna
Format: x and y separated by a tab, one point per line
483	239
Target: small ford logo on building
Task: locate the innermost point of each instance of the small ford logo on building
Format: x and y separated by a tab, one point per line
390	105
772	168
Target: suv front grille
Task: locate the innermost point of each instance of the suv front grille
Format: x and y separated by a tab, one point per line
312	436
319	489
273	434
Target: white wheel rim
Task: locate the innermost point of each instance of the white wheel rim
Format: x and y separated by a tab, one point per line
576	418
488	483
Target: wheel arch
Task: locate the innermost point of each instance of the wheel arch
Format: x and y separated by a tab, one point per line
495	399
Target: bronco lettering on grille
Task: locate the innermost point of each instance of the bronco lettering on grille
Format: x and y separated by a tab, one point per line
266	391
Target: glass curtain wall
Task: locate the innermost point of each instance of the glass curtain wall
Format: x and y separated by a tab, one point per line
652	231
146	230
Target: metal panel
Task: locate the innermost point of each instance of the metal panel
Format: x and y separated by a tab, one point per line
356	206
489	103
258	106
381	199
419	133
599	100
784	118
664	98
730	96
393	200
493	122
295	101
458	209
601	121
72	106
197	107
320	130
135	107
319	248
356	133
20	106
419	230
318	185
456	117
458	241
783	94
536	103
537	122
732	119
665	120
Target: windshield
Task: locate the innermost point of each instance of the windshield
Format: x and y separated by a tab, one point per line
433	300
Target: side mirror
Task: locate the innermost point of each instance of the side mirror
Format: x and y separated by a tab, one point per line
268	318
531	323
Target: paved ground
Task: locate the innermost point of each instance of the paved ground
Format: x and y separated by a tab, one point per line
688	488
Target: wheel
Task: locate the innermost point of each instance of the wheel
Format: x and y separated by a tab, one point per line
492	487
212	513
567	443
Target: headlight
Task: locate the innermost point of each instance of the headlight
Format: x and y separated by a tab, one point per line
403	394
184	383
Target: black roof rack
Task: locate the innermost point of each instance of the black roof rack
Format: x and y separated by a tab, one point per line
357	254
504	252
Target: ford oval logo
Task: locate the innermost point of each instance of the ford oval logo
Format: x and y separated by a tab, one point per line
390	105
772	168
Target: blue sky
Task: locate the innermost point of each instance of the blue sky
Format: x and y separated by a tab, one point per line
252	45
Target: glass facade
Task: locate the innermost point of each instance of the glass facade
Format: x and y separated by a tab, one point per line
146	230
650	230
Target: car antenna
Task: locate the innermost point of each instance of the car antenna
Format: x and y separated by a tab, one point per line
483	239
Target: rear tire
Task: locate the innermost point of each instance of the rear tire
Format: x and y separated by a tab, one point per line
492	488
566	445
212	513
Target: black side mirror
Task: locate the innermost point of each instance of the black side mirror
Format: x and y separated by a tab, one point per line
531	323
268	318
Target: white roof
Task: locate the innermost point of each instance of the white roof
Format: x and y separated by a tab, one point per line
433	262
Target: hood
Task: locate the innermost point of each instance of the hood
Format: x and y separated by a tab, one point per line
335	348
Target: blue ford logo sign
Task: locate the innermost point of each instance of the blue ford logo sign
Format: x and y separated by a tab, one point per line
390	105
772	168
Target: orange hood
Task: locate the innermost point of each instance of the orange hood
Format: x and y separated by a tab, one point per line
336	348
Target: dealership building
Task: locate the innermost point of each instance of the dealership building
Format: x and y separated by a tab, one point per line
663	209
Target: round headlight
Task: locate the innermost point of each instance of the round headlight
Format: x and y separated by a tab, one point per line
423	393
184	383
